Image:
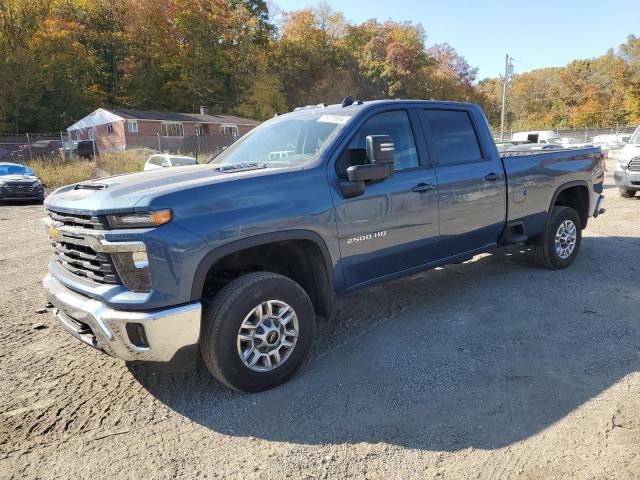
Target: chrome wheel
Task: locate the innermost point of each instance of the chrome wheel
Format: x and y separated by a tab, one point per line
566	238
268	336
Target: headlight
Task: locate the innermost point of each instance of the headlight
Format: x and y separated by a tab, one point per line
133	270
623	163
140	220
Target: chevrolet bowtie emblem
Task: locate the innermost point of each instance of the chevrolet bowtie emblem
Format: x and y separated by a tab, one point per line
53	233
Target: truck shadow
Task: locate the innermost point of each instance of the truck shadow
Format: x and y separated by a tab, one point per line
481	354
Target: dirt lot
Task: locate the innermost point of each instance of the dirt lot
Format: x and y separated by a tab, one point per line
490	369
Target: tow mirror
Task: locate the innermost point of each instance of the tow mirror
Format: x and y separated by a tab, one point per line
369	172
380	154
380	149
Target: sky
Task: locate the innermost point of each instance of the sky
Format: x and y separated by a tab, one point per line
543	33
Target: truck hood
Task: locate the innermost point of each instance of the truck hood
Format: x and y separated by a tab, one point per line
125	193
629	151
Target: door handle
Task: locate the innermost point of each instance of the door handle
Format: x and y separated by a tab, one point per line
423	187
492	177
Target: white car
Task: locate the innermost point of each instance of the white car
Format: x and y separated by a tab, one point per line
164	160
537	136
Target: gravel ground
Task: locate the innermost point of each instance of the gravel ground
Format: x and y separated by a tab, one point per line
490	369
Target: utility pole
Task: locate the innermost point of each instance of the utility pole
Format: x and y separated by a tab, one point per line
508	71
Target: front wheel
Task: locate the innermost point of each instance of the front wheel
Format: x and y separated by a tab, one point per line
257	332
626	193
561	241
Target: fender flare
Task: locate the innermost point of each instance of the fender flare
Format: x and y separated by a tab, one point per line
565	186
211	258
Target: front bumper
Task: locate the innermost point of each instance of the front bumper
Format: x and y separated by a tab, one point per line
21	197
627	179
167	333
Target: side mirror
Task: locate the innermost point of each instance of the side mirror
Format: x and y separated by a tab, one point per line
369	172
380	153
380	149
165	163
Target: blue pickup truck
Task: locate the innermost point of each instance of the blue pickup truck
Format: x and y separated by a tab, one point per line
234	260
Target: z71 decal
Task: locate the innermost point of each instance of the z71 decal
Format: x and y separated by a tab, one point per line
368	236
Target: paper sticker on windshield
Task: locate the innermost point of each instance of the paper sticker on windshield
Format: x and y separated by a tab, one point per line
340	119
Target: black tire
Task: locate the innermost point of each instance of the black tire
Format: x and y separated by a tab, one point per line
544	252
627	193
222	321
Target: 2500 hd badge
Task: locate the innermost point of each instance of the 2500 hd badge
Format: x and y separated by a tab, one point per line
368	236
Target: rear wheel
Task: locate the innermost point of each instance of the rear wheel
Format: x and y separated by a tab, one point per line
257	331
626	193
561	241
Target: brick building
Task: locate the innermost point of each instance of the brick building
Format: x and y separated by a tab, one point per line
117	129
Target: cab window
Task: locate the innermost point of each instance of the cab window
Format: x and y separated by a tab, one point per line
453	136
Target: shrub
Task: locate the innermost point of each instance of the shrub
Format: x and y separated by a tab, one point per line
128	161
56	172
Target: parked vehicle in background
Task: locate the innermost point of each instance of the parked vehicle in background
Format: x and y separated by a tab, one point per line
627	172
572	142
611	141
503	146
45	148
86	149
624	137
19	183
165	160
529	147
233	261
537	136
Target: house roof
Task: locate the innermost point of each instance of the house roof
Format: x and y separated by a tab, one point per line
108	115
99	117
180	117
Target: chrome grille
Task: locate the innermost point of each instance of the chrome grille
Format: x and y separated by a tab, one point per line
634	165
76	255
85	221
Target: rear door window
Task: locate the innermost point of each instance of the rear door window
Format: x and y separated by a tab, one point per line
452	135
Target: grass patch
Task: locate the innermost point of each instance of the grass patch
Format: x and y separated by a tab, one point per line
56	172
128	161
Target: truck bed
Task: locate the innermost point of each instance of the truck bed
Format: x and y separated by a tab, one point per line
533	179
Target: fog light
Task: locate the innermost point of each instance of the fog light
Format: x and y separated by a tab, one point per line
133	270
137	335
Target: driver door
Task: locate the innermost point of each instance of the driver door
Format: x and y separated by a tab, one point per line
393	225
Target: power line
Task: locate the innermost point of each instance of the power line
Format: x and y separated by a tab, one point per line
523	64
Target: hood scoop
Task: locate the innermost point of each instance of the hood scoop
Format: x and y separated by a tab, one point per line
241	167
90	186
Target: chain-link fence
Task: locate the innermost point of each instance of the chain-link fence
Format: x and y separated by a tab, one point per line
584	134
21	148
195	145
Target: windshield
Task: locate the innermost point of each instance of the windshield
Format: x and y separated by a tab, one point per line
296	139
182	161
635	139
15	170
556	141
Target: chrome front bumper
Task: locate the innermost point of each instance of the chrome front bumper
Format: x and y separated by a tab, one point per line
167	331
